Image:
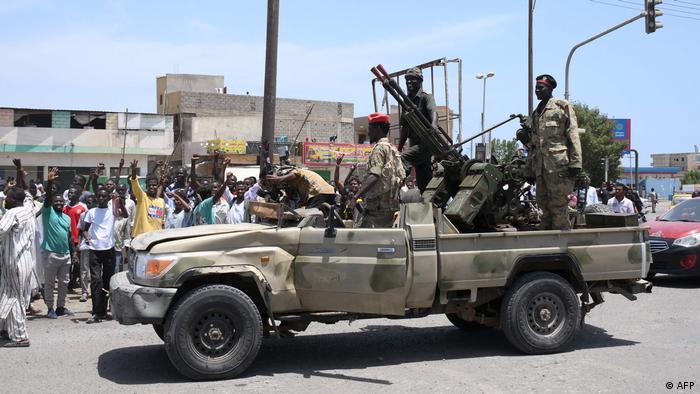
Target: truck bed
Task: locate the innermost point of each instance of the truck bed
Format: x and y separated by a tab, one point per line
470	261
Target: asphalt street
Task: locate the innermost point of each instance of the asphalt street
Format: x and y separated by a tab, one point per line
624	346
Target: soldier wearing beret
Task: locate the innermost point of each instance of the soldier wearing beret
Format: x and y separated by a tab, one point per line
555	154
417	155
385	173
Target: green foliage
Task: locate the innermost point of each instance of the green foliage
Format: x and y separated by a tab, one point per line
596	144
691	177
504	150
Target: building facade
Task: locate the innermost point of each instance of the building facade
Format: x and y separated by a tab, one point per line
204	113
445	121
75	141
686	161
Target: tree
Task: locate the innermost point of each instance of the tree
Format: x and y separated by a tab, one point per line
691	177
504	150
597	144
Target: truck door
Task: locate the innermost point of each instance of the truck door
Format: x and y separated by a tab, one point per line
360	270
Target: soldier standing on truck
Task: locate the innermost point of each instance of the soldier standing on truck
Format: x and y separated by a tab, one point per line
417	155
385	174
555	154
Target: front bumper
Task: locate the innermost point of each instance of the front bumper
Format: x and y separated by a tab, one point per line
133	304
668	260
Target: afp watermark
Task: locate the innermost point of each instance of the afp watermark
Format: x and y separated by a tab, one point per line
680	385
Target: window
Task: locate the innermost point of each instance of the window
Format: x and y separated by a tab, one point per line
161	99
86	120
32	118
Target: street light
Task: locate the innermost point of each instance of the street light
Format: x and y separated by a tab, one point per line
485	139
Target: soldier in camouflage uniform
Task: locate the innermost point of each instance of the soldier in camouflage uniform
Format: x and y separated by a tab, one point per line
555	154
385	173
417	155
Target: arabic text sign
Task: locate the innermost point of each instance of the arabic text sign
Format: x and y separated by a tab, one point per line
227	146
324	154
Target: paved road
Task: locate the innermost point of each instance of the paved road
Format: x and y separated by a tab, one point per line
624	347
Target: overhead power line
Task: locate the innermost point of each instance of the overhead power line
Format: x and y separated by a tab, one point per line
615	5
664	9
682	11
672	13
697	7
687	2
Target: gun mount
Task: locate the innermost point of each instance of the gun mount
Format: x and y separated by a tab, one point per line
481	196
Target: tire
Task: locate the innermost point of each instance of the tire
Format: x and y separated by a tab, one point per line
463	324
540	314
213	333
160	331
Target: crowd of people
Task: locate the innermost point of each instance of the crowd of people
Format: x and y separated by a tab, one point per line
57	239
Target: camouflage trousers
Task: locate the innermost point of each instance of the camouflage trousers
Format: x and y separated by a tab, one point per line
420	159
553	198
377	219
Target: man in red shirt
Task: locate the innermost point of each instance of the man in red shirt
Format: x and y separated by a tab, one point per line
74	208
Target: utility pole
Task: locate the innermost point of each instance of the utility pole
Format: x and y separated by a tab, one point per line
530	72
485	140
607	160
270	91
636	168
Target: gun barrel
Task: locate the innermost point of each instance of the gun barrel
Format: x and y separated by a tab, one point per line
439	140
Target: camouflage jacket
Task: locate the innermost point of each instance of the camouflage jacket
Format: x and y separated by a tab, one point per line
384	162
555	144
426	104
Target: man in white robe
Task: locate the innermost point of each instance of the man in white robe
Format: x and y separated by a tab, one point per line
17	233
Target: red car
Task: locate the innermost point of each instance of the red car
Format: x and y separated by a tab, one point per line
675	240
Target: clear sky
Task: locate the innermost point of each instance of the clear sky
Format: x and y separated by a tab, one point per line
106	54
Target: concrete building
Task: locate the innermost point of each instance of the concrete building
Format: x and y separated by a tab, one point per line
77	140
651	172
204	113
394	131
686	161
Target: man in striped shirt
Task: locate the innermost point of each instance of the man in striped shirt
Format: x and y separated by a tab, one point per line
17	232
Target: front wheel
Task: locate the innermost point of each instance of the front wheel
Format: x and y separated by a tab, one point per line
213	333
540	313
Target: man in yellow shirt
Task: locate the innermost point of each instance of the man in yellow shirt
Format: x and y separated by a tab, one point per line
150	209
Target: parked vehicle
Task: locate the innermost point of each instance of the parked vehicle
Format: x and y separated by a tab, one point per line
675	240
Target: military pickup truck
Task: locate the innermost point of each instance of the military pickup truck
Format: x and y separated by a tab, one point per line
213	292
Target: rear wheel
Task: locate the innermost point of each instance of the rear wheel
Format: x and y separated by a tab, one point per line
213	333
540	313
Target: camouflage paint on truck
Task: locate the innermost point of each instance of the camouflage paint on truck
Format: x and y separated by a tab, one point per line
383	271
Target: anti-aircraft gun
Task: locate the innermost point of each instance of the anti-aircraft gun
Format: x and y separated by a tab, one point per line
484	195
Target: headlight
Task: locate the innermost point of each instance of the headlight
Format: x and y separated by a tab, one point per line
688	241
151	266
